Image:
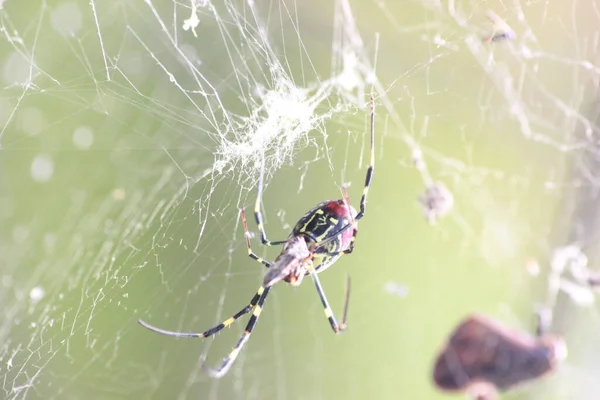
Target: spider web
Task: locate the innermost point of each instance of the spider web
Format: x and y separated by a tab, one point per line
133	132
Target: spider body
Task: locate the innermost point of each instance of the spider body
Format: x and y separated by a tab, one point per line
320	227
326	218
320	237
314	243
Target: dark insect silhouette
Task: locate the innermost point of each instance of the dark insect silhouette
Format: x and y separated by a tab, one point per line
484	356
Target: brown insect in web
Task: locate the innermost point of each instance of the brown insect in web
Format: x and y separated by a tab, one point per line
484	357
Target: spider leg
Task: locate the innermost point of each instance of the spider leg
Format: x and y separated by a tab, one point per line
248	245
258	215
369	177
228	361
350	248
209	332
363	199
337	328
368	181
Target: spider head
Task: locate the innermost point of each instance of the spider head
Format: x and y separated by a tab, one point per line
344	214
339	209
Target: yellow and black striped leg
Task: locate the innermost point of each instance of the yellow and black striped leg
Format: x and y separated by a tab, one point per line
212	330
337	328
369	177
248	245
363	199
350	248
353	223
368	181
228	361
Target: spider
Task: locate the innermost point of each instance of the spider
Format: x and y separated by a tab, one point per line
319	239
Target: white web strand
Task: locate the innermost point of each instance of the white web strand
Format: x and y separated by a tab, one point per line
132	132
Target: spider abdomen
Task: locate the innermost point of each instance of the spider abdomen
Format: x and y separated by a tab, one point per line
324	221
291	264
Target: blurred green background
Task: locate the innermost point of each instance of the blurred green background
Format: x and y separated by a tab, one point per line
123	169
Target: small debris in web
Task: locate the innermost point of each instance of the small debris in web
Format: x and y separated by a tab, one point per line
573	276
437	202
581	295
397	289
593	279
193	21
501	29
